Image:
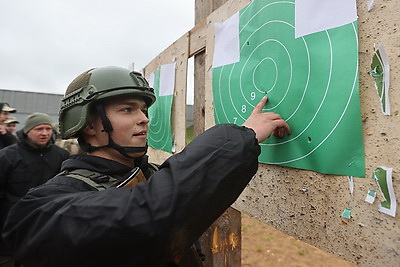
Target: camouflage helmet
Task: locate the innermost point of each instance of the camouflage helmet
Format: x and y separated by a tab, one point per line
96	85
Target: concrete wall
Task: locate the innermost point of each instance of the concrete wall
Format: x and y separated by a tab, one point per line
306	204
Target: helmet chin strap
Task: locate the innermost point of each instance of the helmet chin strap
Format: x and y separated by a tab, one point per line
123	150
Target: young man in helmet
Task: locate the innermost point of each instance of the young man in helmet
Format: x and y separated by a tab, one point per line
81	218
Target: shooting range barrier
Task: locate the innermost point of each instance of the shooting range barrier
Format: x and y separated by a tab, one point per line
353	218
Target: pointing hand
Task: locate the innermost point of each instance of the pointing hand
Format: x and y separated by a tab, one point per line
264	124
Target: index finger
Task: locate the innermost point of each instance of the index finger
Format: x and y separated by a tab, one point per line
258	108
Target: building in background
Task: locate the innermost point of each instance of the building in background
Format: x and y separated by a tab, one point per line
28	102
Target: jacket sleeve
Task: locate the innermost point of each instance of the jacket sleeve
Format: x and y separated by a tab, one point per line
6	165
58	224
8	139
4	170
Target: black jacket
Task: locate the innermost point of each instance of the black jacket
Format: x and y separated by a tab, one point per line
7	139
66	222
22	167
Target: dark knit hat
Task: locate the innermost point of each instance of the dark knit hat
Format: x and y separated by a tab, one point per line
36	119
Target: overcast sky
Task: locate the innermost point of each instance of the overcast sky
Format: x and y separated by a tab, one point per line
44	44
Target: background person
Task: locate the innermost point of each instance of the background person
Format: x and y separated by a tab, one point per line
11	125
71	145
6	138
80	217
26	164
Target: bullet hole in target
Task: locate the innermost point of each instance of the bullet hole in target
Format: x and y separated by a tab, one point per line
309	139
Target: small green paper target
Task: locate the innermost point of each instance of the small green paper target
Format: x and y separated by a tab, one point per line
160	130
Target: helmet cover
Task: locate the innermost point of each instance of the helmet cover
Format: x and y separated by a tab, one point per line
97	85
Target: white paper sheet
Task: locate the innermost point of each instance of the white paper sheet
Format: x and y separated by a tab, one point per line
226	50
167	79
317	15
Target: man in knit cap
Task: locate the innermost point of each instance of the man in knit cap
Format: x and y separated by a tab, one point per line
6	138
26	164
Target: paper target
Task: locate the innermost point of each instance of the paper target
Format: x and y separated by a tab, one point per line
160	130
312	82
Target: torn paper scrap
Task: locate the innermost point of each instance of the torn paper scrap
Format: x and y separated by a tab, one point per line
380	72
351	184
151	79
370	4
346	213
370	198
325	15
383	176
227	46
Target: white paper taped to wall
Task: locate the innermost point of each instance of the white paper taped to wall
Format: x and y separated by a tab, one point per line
226	50
316	15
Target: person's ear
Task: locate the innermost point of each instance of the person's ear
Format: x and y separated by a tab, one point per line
89	129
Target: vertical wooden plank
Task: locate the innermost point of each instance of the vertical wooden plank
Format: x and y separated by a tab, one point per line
222	241
217	3
198	105
202	9
181	53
